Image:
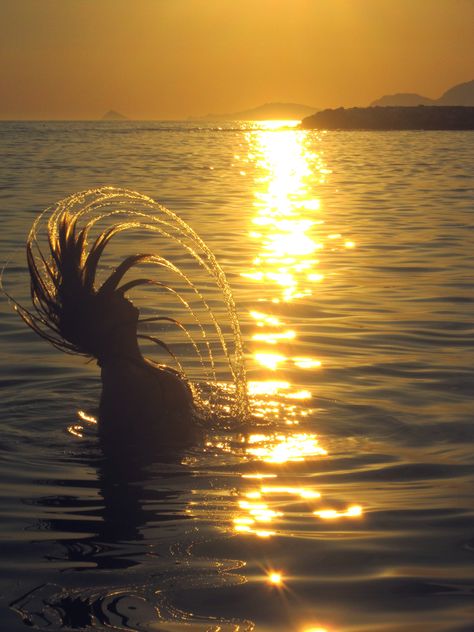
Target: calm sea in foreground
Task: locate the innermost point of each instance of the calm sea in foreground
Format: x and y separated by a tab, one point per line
347	505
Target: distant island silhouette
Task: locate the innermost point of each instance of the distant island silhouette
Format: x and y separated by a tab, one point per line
113	115
268	111
431	117
460	94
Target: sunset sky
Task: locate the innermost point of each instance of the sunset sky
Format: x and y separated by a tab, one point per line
152	59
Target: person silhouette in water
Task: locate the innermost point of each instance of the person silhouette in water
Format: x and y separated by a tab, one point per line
142	402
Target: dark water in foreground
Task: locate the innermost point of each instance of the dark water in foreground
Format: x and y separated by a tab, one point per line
351	259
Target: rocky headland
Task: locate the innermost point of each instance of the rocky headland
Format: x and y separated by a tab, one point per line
436	117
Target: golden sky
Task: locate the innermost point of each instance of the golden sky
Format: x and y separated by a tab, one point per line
153	59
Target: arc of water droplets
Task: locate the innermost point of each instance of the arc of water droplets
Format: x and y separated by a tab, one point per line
158	219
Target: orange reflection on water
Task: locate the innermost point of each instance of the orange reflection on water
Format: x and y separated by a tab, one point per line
289	232
77	430
268	505
270	387
283	448
285	212
260	512
275	399
267	387
85	417
299	395
297	491
284	227
290	239
269	360
306	363
354	511
265	319
265	505
272	338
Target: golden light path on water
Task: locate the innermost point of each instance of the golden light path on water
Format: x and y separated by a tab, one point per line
288	230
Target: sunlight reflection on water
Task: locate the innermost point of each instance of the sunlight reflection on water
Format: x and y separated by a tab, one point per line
264	505
288	227
283	221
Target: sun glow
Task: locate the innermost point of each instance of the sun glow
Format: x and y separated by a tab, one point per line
275	578
278	124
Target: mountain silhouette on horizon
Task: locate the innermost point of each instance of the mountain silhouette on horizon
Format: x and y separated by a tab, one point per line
460	94
268	111
113	115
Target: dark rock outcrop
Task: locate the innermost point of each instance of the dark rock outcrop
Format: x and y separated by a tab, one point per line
393	118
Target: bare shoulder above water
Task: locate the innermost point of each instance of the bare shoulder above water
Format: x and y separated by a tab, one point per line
421	117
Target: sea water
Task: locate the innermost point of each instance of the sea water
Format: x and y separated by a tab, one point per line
346	503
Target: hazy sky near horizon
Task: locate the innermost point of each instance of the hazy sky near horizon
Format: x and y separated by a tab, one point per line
152	59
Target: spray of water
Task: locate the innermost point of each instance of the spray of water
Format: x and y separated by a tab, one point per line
178	265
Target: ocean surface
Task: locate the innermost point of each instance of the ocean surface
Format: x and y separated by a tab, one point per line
346	503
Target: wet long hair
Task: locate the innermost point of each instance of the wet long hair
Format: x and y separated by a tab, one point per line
69	309
75	312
